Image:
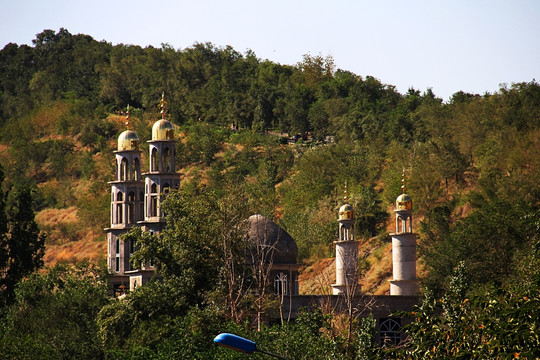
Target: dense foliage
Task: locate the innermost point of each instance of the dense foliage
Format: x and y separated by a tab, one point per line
472	166
21	243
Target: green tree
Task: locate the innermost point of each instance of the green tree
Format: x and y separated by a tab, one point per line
22	247
54	315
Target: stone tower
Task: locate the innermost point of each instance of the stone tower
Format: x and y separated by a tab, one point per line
346	252
137	202
127	198
404	248
162	176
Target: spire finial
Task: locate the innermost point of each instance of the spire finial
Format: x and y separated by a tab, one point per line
346	194
163	108
403	187
127	117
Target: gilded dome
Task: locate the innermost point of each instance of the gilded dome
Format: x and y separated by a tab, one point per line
128	140
404	202
163	130
346	212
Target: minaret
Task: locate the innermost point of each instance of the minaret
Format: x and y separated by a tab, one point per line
127	199
162	176
404	248
346	252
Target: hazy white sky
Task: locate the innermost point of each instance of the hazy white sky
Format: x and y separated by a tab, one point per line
451	45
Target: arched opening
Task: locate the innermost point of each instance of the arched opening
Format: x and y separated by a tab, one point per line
153	200
166	160
141	206
389	331
154	165
117	257
136	170
119	212
131	208
124	170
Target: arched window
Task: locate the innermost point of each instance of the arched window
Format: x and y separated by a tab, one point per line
124	169
153	200
119	212
154	205
117	257
136	170
389	331
154	166
280	284
141	206
131	208
166	160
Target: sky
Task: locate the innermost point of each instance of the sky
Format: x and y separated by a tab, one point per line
448	46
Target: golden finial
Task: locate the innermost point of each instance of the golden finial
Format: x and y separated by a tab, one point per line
403	187
163	108
127	117
346	194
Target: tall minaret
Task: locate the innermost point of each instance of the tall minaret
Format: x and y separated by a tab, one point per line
126	199
346	252
404	248
162	176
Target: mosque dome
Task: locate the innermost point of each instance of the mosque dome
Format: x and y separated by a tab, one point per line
128	140
346	212
262	231
404	202
163	130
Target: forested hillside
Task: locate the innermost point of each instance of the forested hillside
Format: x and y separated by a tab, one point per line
472	165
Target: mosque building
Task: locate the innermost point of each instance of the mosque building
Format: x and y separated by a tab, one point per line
136	201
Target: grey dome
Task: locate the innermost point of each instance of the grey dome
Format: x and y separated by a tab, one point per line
262	231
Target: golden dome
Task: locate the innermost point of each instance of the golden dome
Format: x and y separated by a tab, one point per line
404	202
163	130
128	140
346	212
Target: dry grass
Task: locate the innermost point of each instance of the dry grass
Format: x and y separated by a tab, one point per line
67	242
75	251
316	279
51	217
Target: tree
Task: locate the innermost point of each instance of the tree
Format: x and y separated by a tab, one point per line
22	247
54	315
478	322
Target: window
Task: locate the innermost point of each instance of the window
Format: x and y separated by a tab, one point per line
117	257
153	200
166	160
119	213
131	208
280	284
154	205
141	206
154	166
389	331
124	169
136	170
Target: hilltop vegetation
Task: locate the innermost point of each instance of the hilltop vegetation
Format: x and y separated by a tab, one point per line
472	164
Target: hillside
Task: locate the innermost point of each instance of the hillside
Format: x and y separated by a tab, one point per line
472	164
